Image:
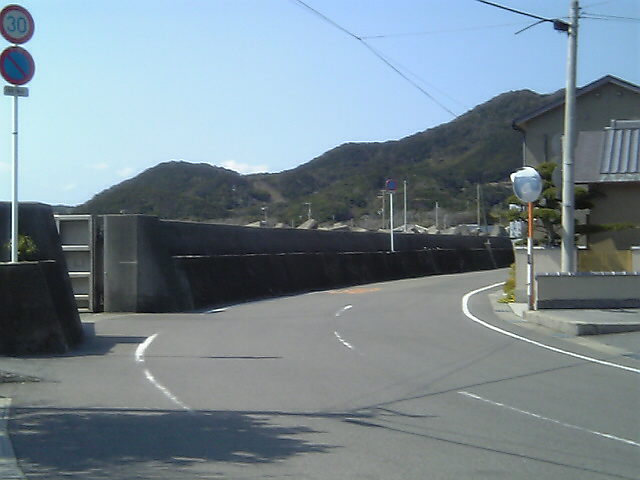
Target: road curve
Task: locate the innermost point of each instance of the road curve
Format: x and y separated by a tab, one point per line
383	381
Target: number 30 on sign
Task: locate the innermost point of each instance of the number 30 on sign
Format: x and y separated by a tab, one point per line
16	24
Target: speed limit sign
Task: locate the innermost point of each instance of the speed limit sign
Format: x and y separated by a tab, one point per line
16	24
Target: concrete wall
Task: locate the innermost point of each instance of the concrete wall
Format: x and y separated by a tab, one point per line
35	312
588	290
216	280
144	270
613	204
545	260
36	221
34	295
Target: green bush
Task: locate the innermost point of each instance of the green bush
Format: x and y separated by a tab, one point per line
27	248
509	287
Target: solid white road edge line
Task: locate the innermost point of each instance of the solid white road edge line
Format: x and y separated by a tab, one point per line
467	312
547	419
139	356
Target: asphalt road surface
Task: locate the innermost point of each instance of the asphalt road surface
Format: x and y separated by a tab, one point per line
415	379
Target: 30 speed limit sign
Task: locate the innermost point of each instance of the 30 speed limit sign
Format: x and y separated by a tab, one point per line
16	24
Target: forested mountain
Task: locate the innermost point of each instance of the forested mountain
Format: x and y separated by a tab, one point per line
443	163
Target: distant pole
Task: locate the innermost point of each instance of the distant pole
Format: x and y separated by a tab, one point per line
405	206
391	218
384	223
264	209
568	214
436	215
308	204
14	192
478	204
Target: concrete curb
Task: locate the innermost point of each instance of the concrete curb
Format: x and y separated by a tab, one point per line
577	327
9	469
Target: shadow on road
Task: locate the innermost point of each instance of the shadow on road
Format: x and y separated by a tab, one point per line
115	444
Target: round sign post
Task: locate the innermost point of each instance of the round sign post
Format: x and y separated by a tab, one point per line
527	185
17	67
16	24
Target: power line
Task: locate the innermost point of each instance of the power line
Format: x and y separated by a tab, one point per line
378	54
436	32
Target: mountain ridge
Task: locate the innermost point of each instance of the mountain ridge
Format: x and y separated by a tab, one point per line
440	163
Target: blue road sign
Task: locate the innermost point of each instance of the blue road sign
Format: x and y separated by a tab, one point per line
391	185
17	66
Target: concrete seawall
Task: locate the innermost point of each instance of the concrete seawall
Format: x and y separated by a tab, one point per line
39	312
217	280
154	265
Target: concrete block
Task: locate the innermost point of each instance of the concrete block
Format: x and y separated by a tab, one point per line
30	321
588	290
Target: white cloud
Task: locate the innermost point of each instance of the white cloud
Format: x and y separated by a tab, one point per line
244	168
124	172
69	186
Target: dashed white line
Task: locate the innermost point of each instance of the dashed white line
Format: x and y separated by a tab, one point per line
139	356
472	317
343	341
547	419
343	309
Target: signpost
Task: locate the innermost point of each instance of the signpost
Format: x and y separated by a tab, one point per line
16	24
17	67
391	186
527	185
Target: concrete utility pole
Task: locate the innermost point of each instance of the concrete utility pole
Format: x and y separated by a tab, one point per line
568	249
405	207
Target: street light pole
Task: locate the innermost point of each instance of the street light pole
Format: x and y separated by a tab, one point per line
568	197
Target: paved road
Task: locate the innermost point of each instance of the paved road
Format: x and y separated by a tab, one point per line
385	381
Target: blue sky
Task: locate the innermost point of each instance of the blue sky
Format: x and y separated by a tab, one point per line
266	85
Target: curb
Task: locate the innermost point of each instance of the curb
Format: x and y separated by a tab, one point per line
577	328
9	469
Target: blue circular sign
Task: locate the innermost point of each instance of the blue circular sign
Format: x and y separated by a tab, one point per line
17	66
391	185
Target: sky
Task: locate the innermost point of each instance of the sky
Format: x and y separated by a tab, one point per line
267	85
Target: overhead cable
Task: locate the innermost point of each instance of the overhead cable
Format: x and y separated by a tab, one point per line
378	54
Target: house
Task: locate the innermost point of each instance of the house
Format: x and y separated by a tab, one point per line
596	105
606	160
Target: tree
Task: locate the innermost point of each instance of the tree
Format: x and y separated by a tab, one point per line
548	209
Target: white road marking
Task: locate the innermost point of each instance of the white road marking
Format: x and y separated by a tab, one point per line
343	309
343	341
216	310
467	312
547	419
139	356
143	347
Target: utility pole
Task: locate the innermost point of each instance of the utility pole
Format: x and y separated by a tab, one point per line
308	204
568	249
405	206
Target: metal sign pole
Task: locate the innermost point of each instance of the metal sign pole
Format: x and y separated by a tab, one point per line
391	218
530	294
14	193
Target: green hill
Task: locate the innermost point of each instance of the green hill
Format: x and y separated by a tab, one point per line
443	163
